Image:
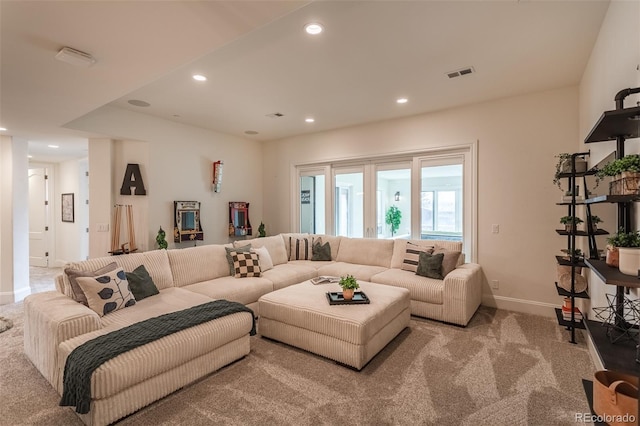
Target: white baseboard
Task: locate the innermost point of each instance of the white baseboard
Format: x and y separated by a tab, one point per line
7	297
519	305
594	353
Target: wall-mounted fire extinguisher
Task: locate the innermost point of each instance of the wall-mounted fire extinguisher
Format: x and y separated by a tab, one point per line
217	175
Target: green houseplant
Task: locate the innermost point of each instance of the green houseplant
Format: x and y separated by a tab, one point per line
349	285
626	175
621	248
570	222
563	165
160	239
393	218
595	220
628	163
261	231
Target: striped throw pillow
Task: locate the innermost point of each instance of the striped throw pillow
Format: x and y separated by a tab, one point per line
301	248
412	256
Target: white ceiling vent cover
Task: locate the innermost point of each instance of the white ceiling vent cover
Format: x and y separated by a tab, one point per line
75	57
460	72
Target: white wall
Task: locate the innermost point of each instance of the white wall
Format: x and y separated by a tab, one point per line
178	167
14	220
132	152
67	234
613	66
518	138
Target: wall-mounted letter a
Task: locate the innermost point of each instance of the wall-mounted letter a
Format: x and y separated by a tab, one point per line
132	178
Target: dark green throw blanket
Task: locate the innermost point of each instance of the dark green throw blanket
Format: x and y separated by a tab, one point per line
86	358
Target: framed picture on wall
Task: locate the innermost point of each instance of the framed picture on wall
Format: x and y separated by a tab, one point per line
67	207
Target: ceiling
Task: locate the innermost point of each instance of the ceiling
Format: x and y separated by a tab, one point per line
259	61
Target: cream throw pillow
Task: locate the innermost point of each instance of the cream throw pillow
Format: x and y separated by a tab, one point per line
264	257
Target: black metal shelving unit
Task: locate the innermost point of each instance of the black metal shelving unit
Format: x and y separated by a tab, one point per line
619	355
572	176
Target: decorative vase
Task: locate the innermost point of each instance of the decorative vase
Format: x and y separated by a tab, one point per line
347	293
629	260
613	256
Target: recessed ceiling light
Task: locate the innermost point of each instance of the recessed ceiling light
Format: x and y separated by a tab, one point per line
313	28
402	100
3	129
138	103
250	132
199	77
53	146
29	156
309	120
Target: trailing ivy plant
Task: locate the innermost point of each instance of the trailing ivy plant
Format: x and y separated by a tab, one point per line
562	158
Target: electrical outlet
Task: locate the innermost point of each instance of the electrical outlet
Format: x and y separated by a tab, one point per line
495	284
495	228
103	227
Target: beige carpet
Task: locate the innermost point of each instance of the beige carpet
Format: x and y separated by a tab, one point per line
505	368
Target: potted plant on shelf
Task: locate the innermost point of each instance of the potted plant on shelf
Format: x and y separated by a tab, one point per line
349	286
563	165
595	220
626	175
570	222
623	250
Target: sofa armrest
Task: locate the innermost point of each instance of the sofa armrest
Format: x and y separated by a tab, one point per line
49	319
462	293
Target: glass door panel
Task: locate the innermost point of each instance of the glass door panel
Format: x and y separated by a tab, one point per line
349	203
393	202
312	204
441	209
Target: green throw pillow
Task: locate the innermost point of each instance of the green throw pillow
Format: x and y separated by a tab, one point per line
321	251
141	284
242	249
430	265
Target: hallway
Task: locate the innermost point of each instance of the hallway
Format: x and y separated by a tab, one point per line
42	279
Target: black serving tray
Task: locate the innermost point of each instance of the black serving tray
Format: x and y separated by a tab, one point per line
359	298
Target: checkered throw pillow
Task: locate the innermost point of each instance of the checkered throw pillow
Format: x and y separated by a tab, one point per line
246	264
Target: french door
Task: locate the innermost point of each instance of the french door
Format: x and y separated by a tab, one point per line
372	200
427	195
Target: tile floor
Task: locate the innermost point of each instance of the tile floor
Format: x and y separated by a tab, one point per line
42	279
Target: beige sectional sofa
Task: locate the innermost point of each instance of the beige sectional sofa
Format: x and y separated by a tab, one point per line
55	324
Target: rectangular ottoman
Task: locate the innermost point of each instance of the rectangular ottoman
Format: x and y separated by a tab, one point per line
300	315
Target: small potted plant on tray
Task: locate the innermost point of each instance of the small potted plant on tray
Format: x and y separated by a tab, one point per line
349	285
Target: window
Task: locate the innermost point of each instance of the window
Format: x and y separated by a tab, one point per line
441	199
431	194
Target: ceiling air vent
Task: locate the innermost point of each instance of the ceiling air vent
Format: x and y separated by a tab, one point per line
275	115
460	72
